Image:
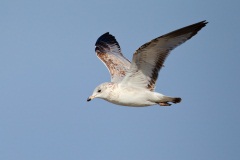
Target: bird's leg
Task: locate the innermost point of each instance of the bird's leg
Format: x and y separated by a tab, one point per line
170	99
164	104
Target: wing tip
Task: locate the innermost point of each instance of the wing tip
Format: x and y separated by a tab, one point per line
194	29
201	24
107	38
204	22
104	41
197	27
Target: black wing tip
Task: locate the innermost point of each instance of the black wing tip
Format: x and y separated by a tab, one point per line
194	28
107	38
197	27
204	22
201	24
104	41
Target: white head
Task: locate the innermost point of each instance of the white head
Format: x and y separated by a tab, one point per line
101	91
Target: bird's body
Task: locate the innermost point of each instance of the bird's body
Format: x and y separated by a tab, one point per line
126	95
133	83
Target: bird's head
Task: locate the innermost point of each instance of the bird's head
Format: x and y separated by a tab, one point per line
101	91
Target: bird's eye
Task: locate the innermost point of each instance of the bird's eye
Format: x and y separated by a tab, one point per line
99	90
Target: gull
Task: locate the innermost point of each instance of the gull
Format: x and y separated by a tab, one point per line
133	83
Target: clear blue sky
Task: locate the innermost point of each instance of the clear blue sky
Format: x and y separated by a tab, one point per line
48	68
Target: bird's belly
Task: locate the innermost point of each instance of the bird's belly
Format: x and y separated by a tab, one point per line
131	99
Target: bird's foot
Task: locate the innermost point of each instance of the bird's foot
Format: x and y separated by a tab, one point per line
164	104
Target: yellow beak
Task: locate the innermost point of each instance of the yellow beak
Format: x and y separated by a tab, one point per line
90	98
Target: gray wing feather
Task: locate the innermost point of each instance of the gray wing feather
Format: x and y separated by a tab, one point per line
150	57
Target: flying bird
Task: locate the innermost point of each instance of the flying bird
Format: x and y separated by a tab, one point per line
133	83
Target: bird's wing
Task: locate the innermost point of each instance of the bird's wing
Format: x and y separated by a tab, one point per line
149	58
109	52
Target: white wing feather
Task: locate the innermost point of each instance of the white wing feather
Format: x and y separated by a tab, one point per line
149	58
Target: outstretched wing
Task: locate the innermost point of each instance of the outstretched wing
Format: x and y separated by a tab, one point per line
149	58
109	52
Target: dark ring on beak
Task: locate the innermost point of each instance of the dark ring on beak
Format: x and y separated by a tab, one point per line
89	99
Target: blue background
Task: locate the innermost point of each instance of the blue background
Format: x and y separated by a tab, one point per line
48	68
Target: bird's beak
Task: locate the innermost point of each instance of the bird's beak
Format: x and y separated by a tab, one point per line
90	98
